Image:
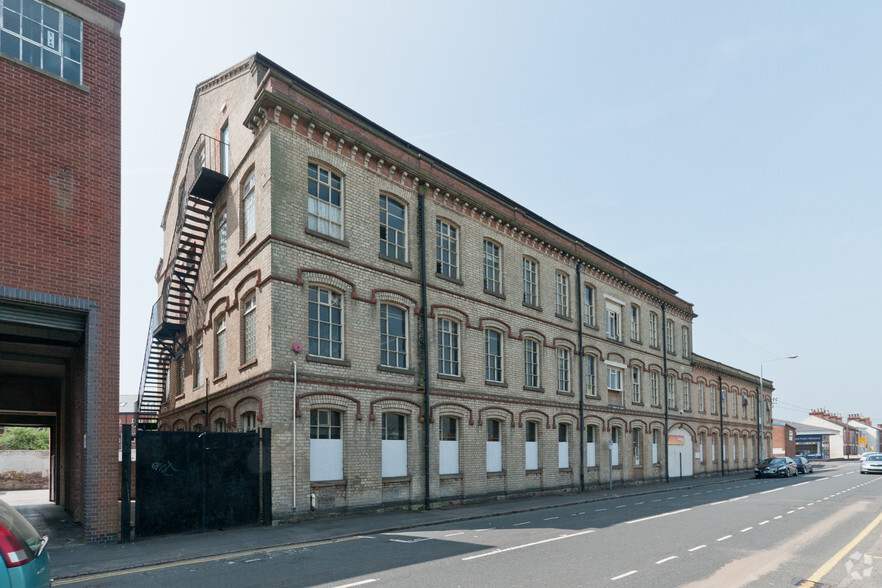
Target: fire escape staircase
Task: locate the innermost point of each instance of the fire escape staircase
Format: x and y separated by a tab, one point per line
205	177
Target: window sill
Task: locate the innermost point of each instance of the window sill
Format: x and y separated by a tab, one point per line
565	470
219	378
636	403
536	472
493	293
456	281
535	307
564	393
565	317
449	477
219	271
534	389
617	340
328	361
395	370
451	378
397	480
335	240
495	384
496	474
591	325
46	73
247	365
636	341
327	483
590	396
179	397
251	239
396	261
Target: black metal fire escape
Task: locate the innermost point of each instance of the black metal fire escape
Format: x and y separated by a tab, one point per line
205	177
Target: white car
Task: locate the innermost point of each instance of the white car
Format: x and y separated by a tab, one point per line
872	465
867	454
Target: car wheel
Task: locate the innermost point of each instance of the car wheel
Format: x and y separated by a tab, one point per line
787	473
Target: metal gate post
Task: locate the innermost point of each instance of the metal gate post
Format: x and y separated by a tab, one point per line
266	473
125	491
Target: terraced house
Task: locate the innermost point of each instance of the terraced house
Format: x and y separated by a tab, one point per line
409	335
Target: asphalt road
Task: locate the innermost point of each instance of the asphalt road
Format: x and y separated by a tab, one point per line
824	527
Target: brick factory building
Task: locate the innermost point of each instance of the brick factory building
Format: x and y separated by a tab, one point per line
60	243
410	335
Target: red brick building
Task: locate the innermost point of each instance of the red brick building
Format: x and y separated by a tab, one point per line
60	68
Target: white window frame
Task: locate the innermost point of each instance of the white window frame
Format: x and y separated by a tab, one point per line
61	44
614	378
532	363
220	347
563	369
448	347
494	363
249	328
393	239
684	340
562	294
325	301
635	445
669	337
653	389
635	385
635	323
713	398
590	375
672	391
323	215
653	329
446	249
700	396
590	301
393	345
225	149
492	267
531	282
249	216
613	320
220	241
687	396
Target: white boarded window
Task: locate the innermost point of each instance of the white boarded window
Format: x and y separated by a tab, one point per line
325	446
448	450
615	436
590	446
532	445
563	446
494	445
394	443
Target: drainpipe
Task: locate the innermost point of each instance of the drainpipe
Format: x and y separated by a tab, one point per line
581	378
421	194
665	377
720	391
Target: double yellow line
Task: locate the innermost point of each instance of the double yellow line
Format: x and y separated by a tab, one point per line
196	560
831	563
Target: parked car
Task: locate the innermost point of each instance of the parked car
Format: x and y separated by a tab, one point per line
26	564
867	454
803	465
872	465
775	466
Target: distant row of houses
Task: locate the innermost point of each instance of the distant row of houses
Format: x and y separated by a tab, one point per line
825	435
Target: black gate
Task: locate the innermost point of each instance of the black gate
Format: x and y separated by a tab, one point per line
197	481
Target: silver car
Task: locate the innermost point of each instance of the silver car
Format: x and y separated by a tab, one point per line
872	464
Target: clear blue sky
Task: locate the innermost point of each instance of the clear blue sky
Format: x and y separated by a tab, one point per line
729	150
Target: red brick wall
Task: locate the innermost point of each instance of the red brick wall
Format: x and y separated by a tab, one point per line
60	197
783	437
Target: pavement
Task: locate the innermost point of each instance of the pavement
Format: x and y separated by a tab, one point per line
71	557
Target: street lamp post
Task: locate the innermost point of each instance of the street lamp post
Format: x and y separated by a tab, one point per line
762	405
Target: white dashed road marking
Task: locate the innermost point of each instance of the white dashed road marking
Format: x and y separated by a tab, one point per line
625	575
